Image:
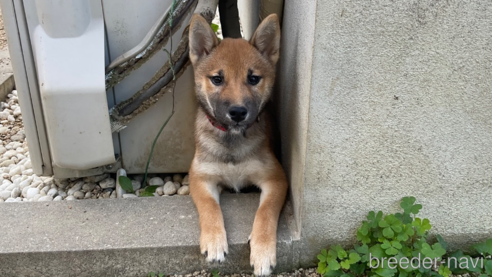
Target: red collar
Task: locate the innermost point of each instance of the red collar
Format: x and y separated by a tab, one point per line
222	128
216	125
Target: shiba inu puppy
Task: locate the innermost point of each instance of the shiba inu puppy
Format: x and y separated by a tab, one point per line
234	80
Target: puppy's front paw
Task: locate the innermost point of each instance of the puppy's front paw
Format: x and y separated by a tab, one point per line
214	245
263	255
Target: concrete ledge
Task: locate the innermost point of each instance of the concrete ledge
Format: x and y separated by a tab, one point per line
125	237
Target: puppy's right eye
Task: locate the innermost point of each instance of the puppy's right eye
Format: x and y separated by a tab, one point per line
217	80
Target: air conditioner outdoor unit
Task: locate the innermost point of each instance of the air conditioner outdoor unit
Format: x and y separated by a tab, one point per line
61	51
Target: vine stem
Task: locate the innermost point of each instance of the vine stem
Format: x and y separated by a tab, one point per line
174	86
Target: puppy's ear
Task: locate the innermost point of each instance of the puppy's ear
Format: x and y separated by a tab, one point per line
202	38
267	38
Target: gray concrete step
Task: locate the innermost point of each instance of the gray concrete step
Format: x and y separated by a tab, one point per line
125	237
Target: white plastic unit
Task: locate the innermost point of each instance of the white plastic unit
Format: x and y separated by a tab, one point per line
59	51
68	47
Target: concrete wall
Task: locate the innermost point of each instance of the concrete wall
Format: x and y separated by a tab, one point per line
384	99
294	83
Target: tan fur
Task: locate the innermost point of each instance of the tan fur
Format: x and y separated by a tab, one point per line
242	155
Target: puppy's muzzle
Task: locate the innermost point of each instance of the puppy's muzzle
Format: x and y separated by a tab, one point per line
238	113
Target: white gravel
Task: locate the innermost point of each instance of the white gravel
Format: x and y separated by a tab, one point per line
169	188
156	181
20	184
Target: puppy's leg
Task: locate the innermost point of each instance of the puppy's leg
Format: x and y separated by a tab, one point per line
263	237
213	240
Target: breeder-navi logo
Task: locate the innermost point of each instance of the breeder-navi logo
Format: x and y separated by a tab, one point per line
426	262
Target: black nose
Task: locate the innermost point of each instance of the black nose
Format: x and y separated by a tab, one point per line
238	113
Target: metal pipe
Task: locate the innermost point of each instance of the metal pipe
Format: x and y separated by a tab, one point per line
163	81
125	64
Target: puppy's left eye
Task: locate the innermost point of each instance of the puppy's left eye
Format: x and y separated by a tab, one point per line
253	80
217	80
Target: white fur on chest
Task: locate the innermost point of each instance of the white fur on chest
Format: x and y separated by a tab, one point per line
235	176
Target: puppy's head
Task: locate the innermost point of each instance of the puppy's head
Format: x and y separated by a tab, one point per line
234	78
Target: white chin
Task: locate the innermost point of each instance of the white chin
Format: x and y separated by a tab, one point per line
236	130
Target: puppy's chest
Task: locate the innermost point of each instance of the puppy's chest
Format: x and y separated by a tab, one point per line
232	175
230	150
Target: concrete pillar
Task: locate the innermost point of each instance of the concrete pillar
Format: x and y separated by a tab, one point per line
381	100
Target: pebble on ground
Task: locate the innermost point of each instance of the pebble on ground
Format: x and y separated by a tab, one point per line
20	184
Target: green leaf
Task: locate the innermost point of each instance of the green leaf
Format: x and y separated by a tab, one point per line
215	27
406	233
434	251
377	233
405	218
443	243
345	264
386	244
363	238
364	229
151	274
407	203
484	248
374	218
403	274
481	248
426	224
388	232
444	271
376	251
438	249
162	274
321	267
383	224
391	251
385	271
488	267
364	249
332	255
149	191
397	227
416	208
391	248
396	244
333	265
406	251
354	257
409	230
402	237
421	226
321	258
126	183
341	254
358	268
